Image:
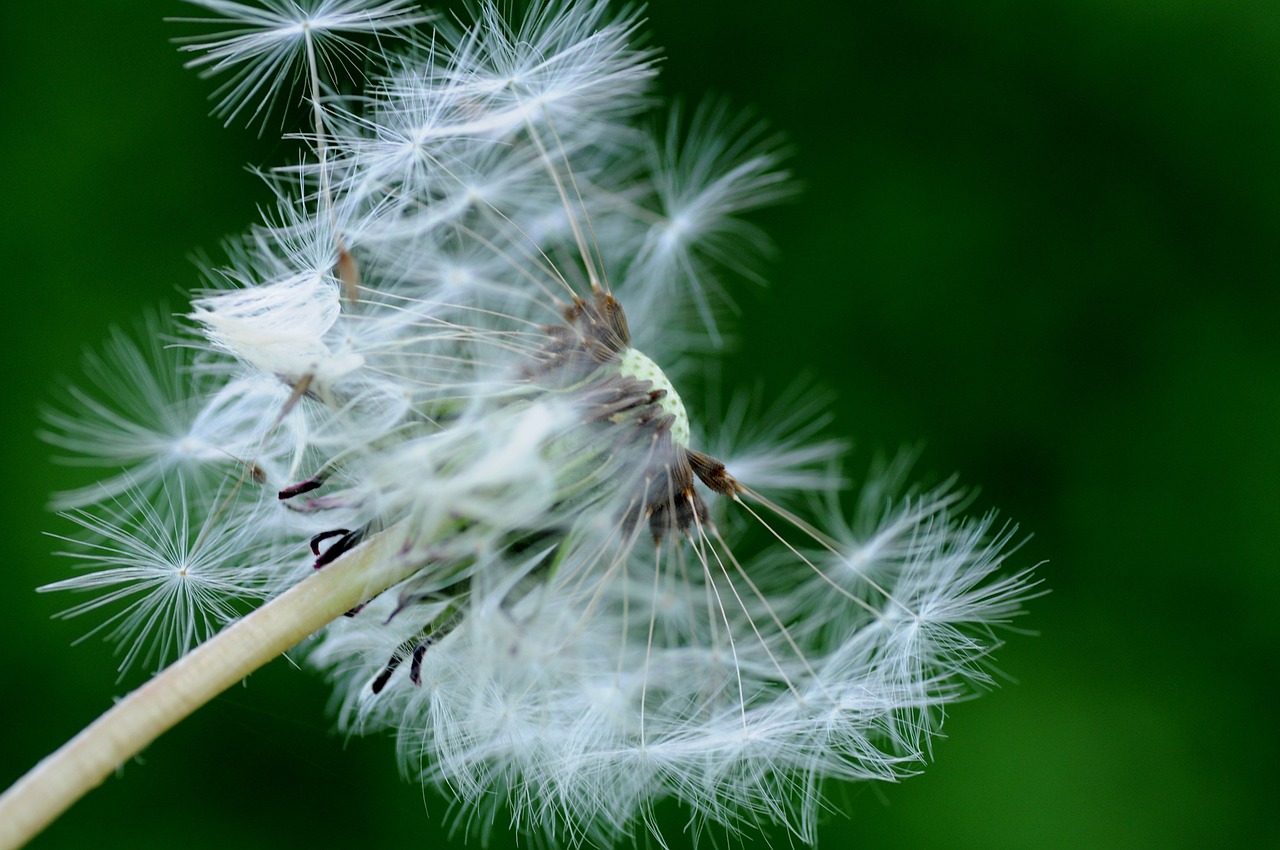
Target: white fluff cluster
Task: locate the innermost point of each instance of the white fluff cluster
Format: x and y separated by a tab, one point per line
461	324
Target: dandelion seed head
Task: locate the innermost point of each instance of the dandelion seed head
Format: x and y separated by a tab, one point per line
635	364
461	326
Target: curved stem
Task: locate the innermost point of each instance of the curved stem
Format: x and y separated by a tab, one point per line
84	762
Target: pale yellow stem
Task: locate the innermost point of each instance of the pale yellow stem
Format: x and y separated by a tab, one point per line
84	762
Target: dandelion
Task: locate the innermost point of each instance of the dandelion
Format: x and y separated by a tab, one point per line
429	411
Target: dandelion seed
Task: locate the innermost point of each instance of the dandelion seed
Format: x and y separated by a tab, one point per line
270	45
150	411
705	177
172	583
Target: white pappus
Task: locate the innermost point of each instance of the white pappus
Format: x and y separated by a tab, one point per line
463	325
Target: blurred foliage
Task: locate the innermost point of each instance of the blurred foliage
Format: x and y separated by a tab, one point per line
1040	238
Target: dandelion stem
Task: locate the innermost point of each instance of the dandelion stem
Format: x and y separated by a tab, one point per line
85	761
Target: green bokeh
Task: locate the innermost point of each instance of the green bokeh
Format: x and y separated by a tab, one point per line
1042	239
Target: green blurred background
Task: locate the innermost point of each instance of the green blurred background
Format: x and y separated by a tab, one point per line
1041	239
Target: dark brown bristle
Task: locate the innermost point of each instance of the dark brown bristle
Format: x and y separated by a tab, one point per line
346	542
316	540
349	274
385	676
300	488
712	473
415	667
